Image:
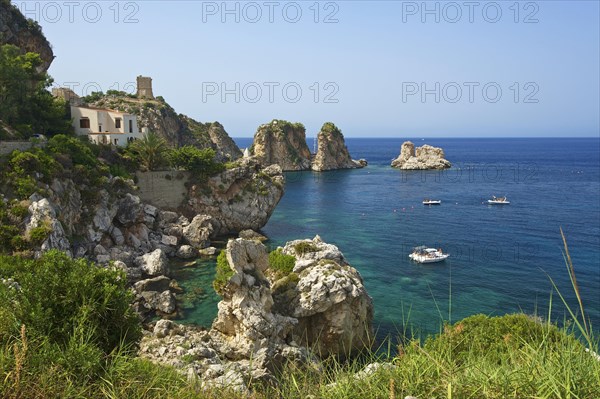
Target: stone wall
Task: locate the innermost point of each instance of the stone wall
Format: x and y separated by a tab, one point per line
164	189
6	147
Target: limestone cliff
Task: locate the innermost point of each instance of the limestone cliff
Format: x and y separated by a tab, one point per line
282	143
243	197
24	33
178	129
424	157
332	152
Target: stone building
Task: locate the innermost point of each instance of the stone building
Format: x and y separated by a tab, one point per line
144	87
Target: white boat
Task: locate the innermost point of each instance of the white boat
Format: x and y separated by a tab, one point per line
428	201
498	200
423	254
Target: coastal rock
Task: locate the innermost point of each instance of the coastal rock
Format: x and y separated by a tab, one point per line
226	149
421	158
239	198
332	152
197	233
155	263
130	210
333	308
252	235
186	252
283	143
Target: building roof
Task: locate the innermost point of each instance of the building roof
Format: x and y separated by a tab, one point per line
101	109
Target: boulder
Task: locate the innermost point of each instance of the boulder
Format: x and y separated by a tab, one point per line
198	232
154	263
186	252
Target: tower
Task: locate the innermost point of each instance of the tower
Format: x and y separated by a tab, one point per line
144	87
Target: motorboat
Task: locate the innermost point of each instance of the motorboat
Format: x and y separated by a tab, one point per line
423	254
428	201
498	200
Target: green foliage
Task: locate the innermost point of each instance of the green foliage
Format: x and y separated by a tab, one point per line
304	247
37	235
64	302
21	167
200	162
93	97
329	127
223	273
26	104
149	152
281	263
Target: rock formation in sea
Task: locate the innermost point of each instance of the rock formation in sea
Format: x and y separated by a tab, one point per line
282	143
332	152
424	157
24	33
263	323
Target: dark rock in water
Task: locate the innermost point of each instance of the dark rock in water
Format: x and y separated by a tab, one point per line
332	152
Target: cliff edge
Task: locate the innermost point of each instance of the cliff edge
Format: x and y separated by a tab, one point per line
332	152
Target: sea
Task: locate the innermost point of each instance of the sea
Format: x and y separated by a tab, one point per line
503	258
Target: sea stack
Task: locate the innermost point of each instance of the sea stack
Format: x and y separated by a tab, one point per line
283	143
332	152
421	158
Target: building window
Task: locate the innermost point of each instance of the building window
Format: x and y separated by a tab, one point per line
84	123
116	141
130	126
118	123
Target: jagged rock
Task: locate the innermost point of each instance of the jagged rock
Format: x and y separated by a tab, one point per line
66	200
186	252
130	210
252	235
424	157
155	263
197	233
42	214
283	143
104	215
252	326
117	235
332	152
243	197
226	149
333	308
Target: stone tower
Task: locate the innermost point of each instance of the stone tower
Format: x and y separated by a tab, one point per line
144	87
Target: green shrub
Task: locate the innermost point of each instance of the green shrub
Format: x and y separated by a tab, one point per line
304	247
200	162
281	263
223	273
66	302
37	235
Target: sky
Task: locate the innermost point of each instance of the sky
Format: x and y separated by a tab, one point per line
374	68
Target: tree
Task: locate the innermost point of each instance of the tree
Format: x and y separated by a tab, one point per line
26	104
201	162
149	151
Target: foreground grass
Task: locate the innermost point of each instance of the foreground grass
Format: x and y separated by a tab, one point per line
504	357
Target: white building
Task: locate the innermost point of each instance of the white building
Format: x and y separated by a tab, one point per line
105	126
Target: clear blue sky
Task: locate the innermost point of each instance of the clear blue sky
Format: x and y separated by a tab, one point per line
362	65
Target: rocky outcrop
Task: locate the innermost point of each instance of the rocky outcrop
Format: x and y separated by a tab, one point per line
224	145
177	129
329	300
424	157
332	152
262	324
243	197
24	33
282	143
42	215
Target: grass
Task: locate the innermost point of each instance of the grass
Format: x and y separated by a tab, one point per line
508	357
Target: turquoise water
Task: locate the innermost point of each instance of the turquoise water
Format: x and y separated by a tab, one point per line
501	256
